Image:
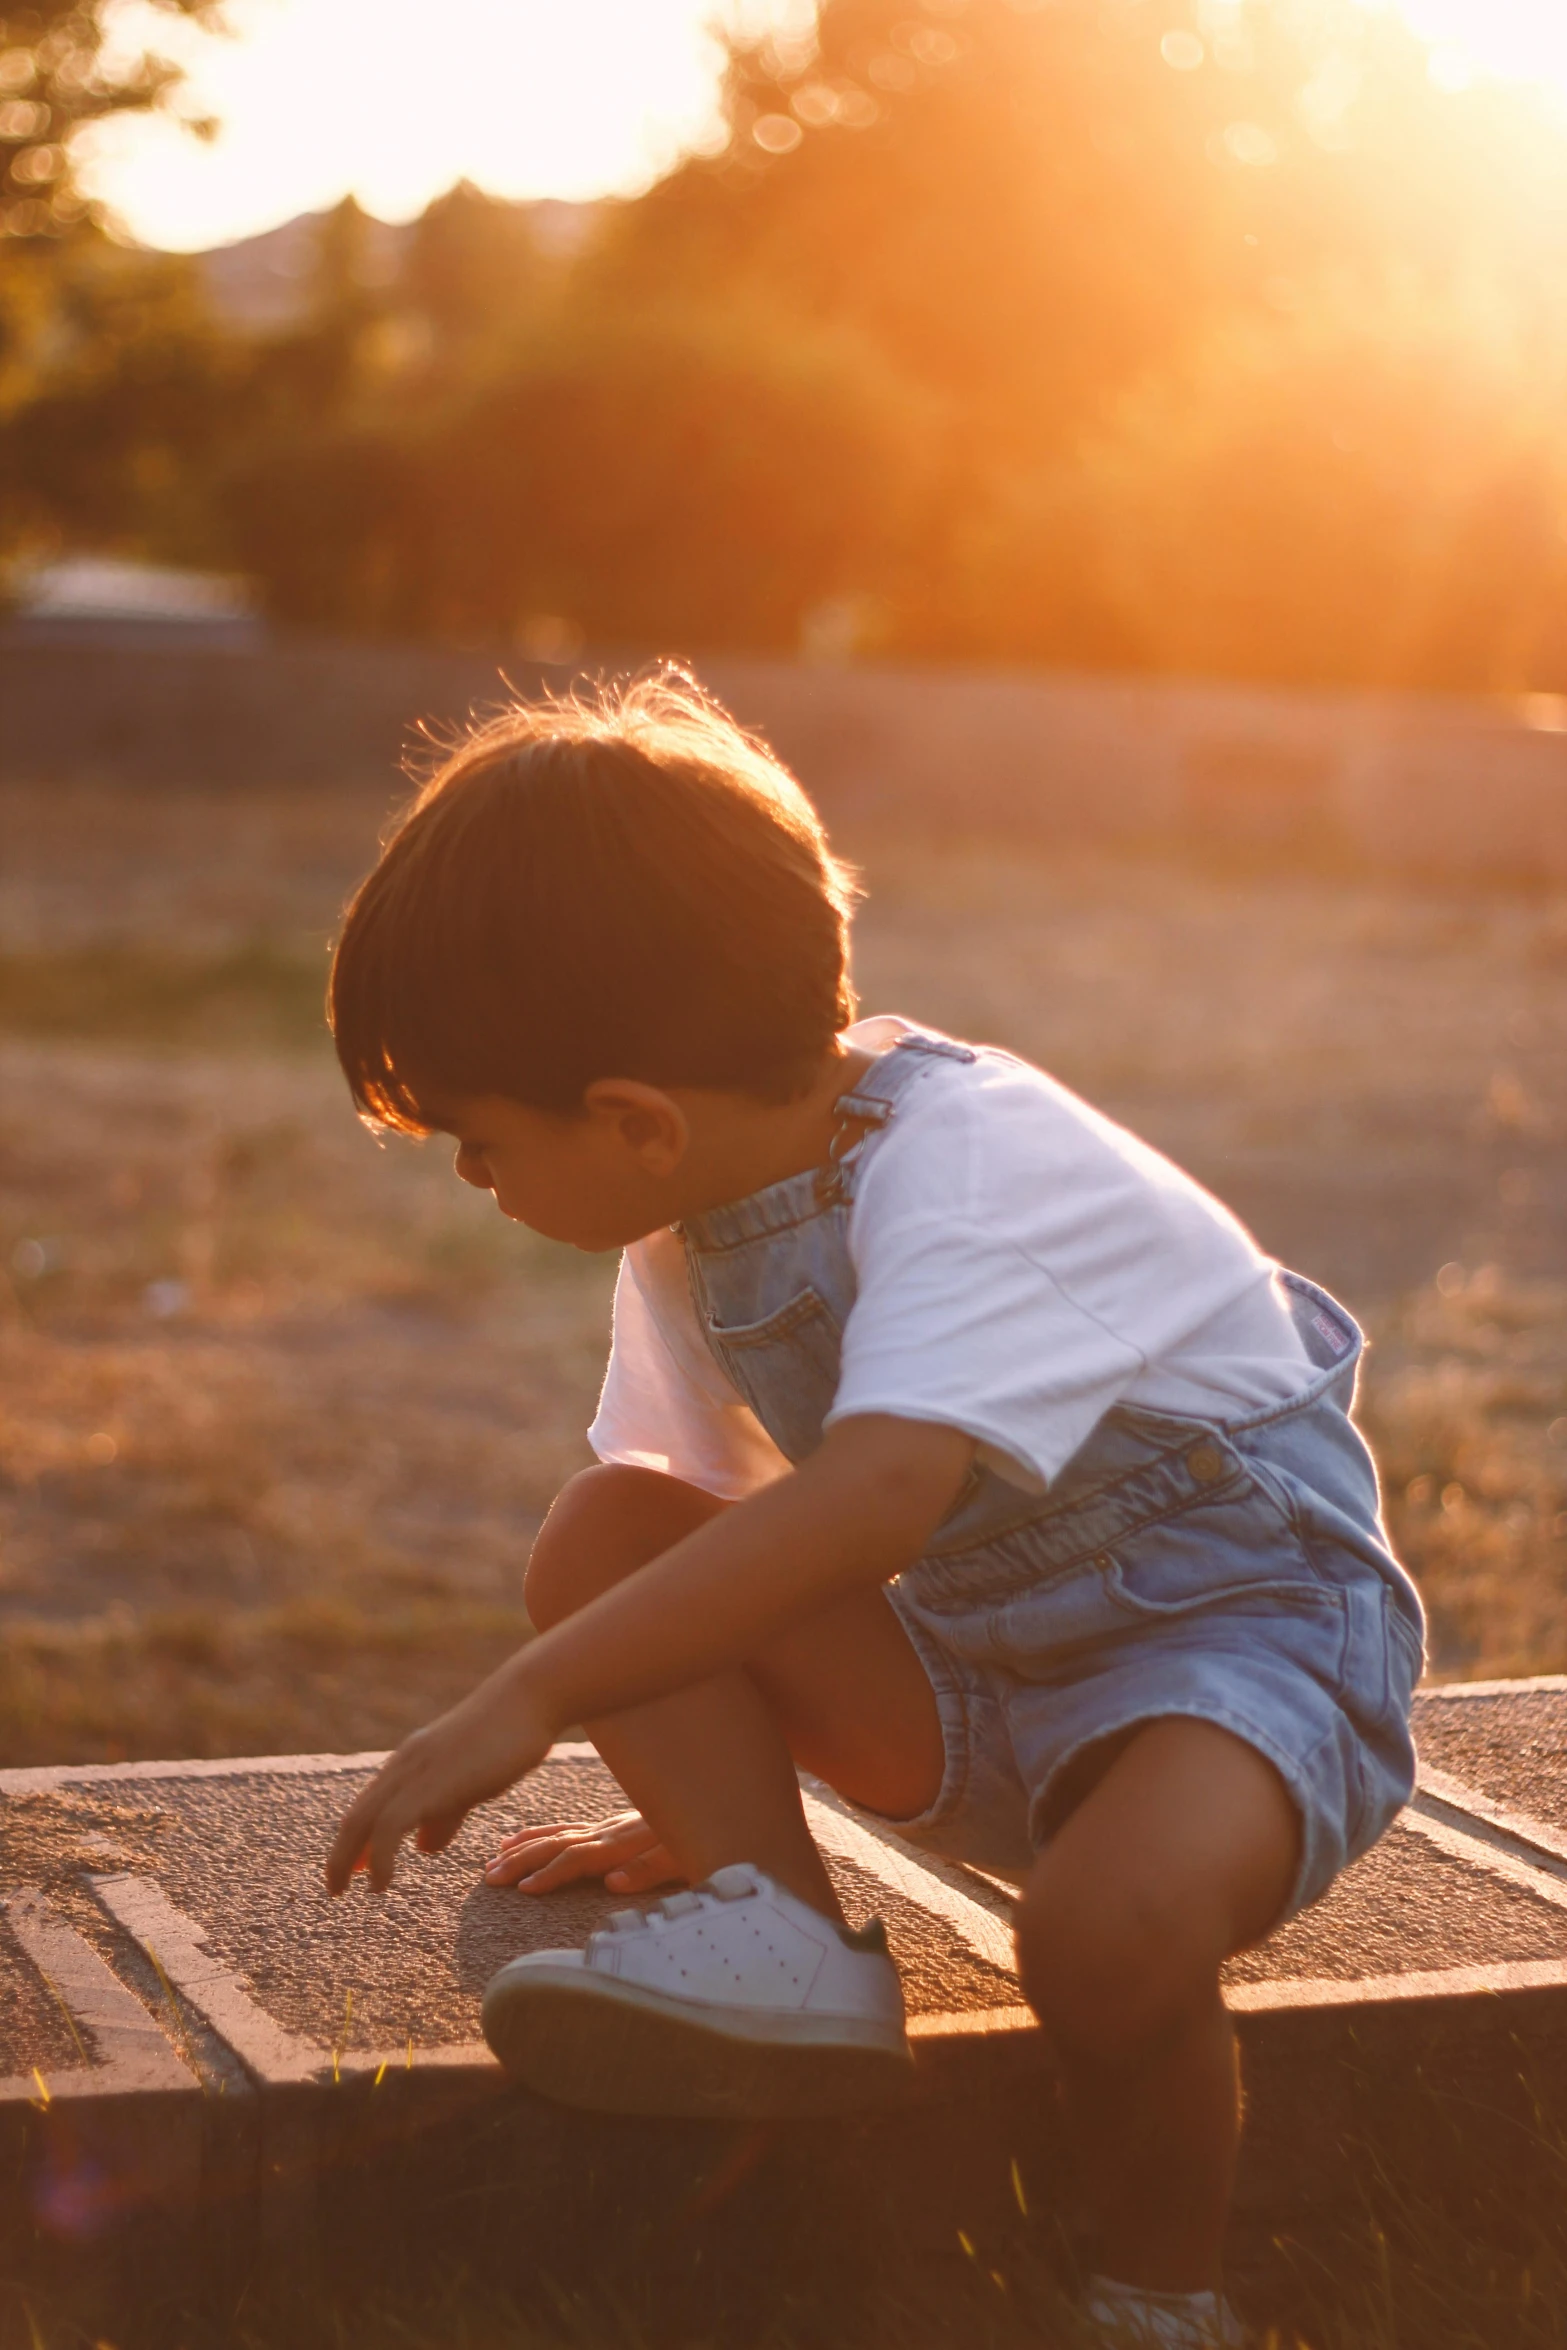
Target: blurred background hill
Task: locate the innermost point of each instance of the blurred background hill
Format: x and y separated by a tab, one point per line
1221	337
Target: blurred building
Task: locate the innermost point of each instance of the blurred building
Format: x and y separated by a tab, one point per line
102	599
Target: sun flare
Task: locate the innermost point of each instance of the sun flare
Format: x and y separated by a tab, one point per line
393	101
1519	40
389	100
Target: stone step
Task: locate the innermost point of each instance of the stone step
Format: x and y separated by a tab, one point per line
189	2025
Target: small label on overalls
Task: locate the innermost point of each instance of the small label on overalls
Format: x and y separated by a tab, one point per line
1335	1334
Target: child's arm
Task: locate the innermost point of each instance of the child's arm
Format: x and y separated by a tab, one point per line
860	1510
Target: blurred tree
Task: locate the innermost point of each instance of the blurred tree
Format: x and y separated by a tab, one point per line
1033	209
116	393
106	359
1014	205
474	277
1361	492
696	478
59	70
316	371
1214	335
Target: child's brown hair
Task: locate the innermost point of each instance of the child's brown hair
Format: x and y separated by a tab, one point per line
623	884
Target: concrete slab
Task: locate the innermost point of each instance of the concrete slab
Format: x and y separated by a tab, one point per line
112	2043
1422	1901
1506	1740
218	1885
168	1952
221	1876
37	2033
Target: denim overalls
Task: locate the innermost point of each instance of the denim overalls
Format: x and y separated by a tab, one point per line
1233	1570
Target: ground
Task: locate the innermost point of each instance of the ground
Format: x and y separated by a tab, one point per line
281	1408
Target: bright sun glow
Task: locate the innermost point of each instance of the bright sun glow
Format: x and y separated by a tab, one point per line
394	100
1522	40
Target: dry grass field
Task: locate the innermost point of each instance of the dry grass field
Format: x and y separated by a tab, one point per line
280	1409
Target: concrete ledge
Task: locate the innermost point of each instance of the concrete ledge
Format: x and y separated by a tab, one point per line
242	2049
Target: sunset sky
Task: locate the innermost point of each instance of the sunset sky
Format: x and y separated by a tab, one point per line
526	97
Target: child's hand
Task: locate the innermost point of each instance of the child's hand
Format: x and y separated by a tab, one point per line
429	1786
623	1850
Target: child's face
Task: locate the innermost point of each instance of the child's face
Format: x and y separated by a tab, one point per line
597	1180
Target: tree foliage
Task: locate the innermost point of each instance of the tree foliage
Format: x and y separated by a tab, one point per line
1211	336
58	72
107	367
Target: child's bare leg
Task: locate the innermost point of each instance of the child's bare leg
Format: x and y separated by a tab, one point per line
712	1768
1184	1853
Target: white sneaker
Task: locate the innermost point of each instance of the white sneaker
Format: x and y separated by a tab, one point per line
734	1999
1125	2317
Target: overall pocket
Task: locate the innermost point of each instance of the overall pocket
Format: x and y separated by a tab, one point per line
786	1366
1239	1556
1409	1642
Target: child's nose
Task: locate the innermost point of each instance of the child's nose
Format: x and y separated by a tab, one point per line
471	1167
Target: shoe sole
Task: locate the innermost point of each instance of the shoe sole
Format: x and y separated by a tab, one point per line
617	2048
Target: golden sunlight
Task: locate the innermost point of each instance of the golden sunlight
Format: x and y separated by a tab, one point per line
394	101
1520	40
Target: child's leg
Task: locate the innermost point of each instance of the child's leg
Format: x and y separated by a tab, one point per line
712	1767
1185	1852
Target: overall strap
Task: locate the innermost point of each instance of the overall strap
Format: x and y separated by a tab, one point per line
874	1101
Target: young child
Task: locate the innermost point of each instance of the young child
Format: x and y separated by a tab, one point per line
955	1447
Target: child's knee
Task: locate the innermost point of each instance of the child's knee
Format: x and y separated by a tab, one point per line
1110	1970
603	1524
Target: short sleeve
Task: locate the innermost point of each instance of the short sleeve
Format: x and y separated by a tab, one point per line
954	1324
665	1403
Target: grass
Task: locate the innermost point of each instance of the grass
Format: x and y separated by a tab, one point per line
1467	1410
1478	2263
1475	2263
201	1680
268	1391
257	995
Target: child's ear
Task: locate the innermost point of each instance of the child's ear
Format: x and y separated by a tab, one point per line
649	1123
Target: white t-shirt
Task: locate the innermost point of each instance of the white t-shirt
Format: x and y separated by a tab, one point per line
1023	1264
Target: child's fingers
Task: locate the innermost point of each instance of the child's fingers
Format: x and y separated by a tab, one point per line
509	1868
398	1818
540	1863
521	1855
544	1839
649	1869
539	1845
605	1827
388	1808
437	1831
542	1872
350	1846
429	1786
568	1868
